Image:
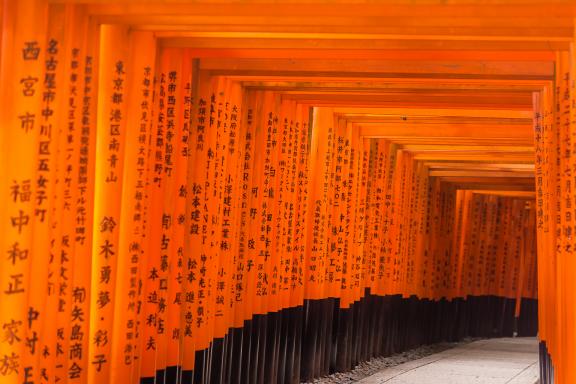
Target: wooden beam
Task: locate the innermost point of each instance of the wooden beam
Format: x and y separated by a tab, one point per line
500	167
412	85
404	114
467	148
495	187
478	173
371	54
456	12
463	121
459	140
510	102
180	39
489	180
490	157
518	194
400	68
447	131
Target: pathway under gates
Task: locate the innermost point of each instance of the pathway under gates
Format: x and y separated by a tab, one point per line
497	361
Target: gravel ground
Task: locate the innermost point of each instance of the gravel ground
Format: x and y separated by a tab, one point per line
374	365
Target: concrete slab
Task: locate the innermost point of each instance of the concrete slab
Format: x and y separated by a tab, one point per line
498	361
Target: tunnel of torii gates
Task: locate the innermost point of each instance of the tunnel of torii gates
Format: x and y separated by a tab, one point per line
266	193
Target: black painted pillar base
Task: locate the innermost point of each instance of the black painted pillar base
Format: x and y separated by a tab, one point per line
546	367
319	338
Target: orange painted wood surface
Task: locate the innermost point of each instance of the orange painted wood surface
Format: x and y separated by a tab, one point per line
171	171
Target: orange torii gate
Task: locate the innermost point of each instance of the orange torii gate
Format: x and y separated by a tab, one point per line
197	194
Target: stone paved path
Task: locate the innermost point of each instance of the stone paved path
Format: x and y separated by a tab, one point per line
498	361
